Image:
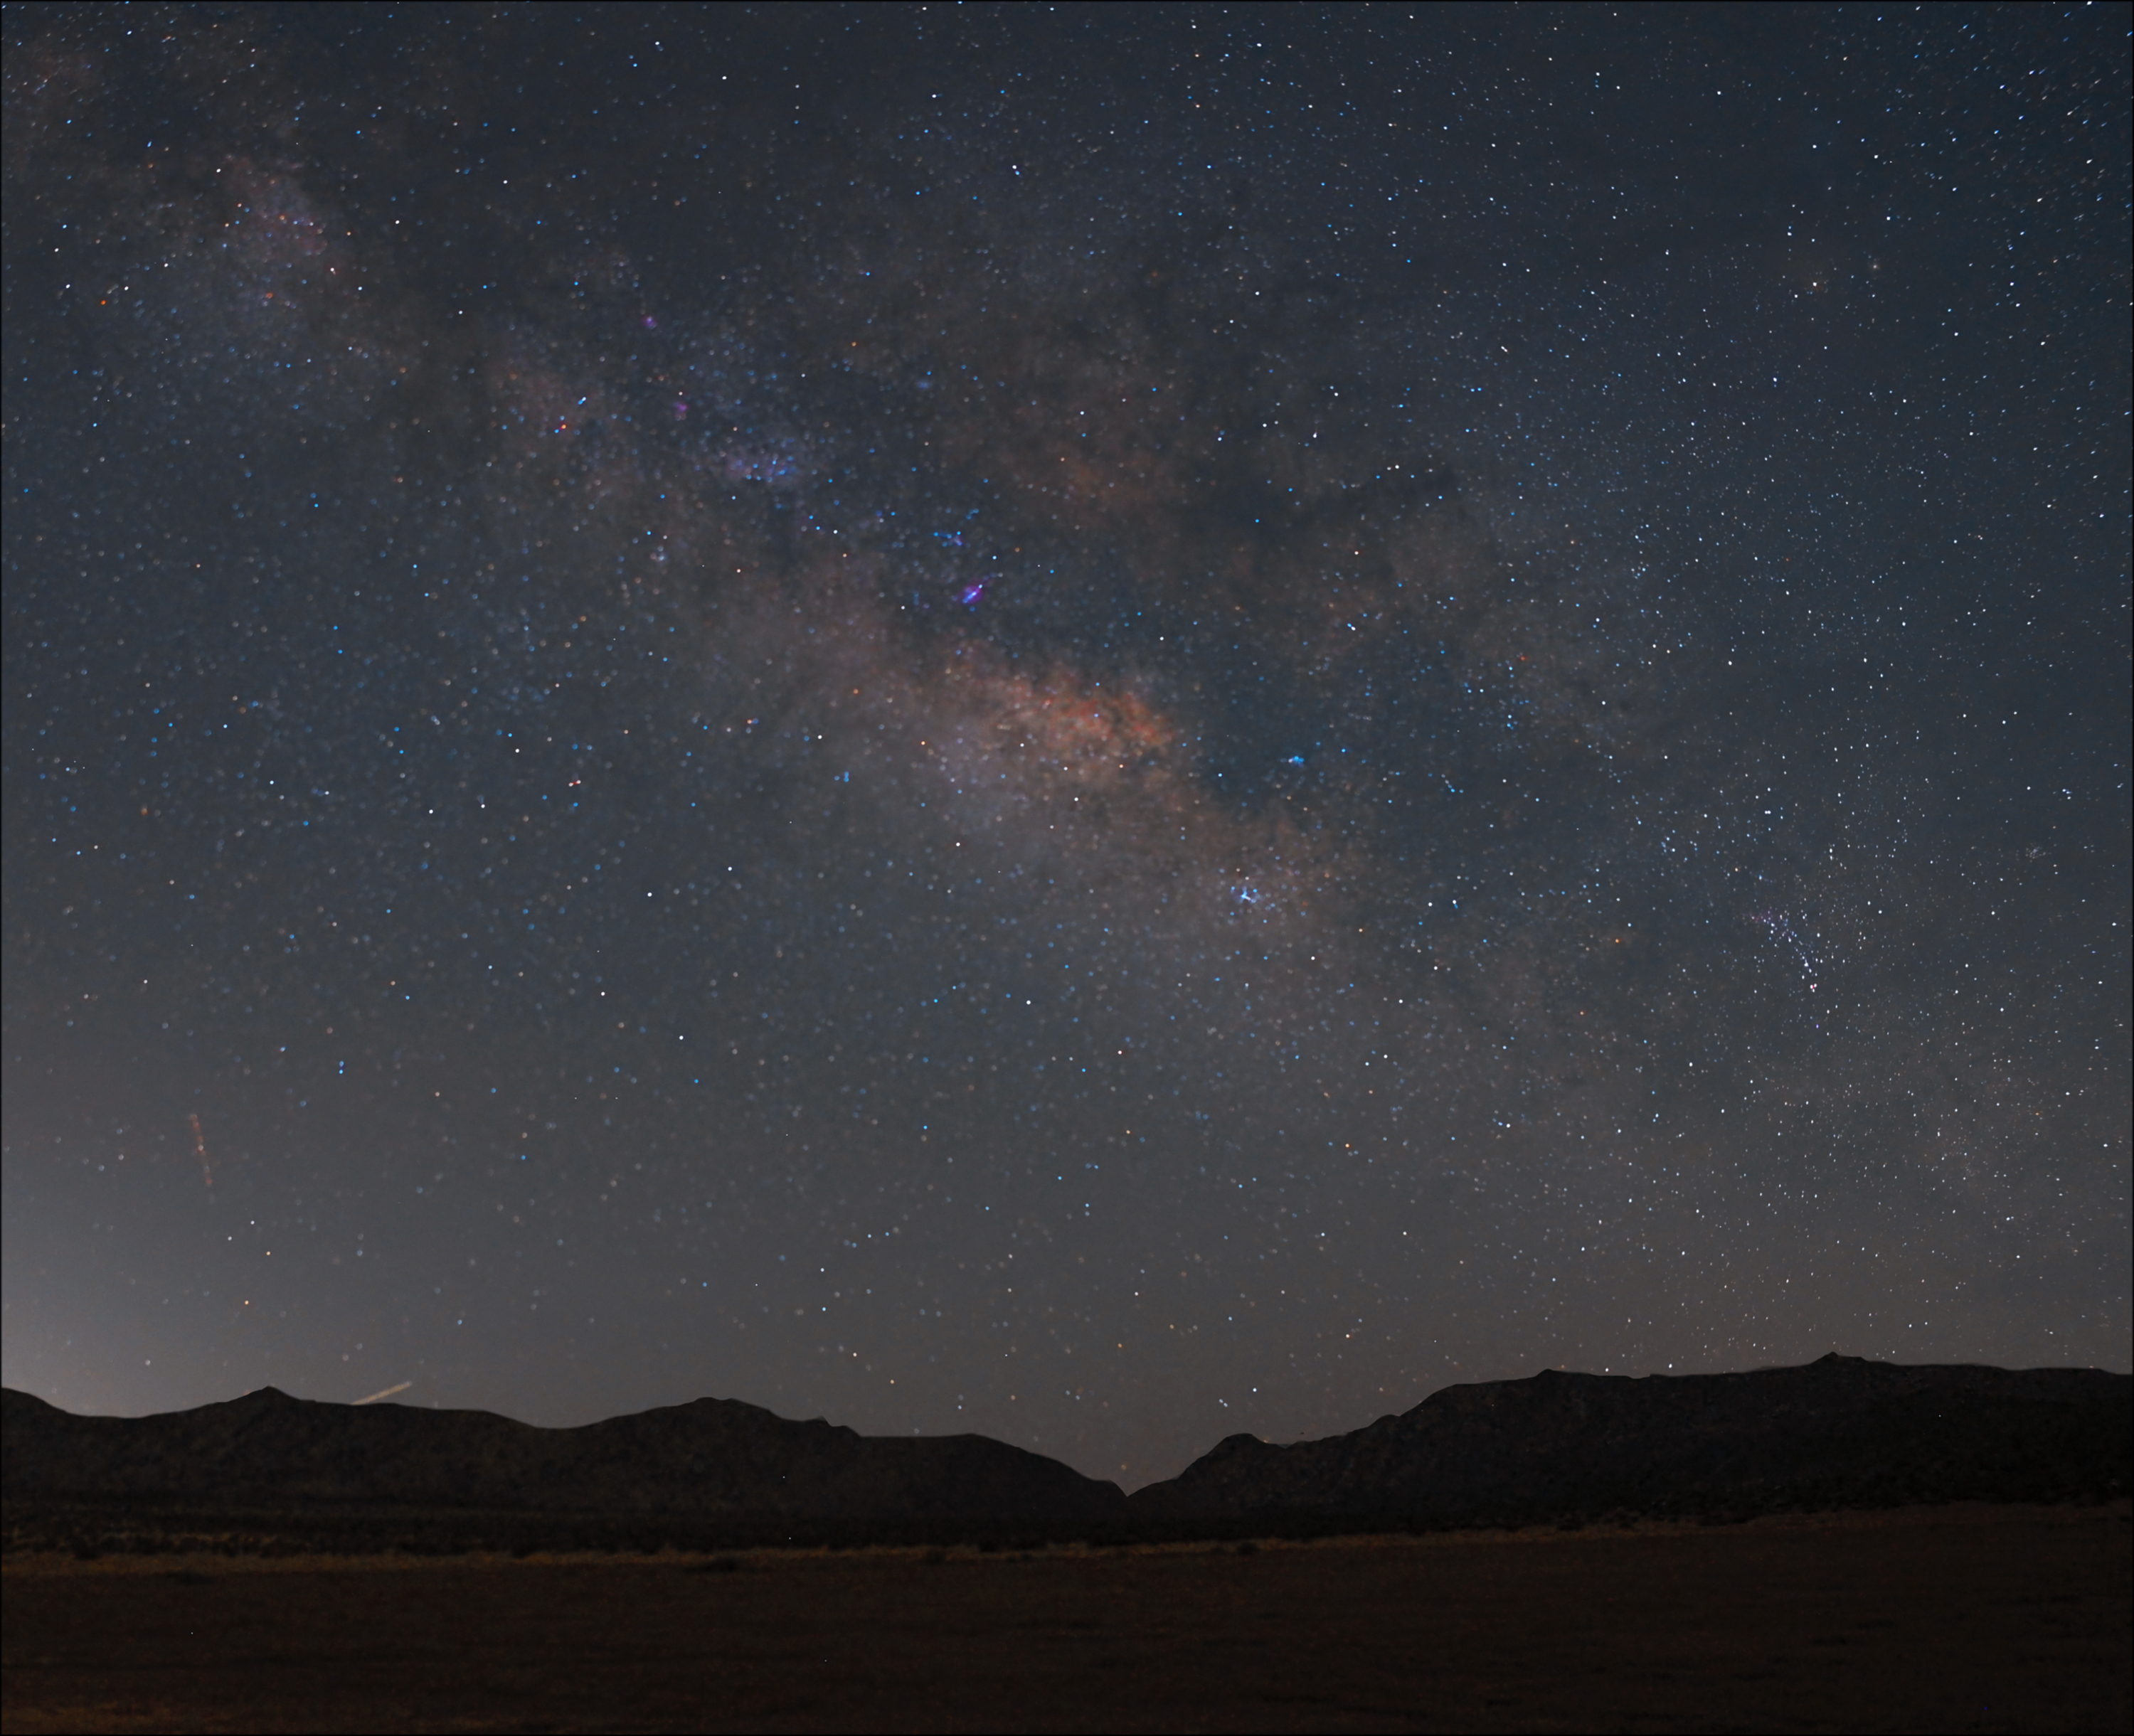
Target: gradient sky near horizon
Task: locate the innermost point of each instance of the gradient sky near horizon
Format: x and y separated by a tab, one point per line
1103	724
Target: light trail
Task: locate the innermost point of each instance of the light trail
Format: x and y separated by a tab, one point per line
199	1150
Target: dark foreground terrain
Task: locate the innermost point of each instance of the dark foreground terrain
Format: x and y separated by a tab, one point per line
1839	1433
1846	1545
1985	1618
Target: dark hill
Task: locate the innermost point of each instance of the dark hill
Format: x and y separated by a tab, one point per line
714	1459
1841	1432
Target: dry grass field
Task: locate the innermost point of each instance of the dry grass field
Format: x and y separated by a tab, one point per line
1949	1618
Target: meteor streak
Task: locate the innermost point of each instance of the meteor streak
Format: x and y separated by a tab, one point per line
386	1393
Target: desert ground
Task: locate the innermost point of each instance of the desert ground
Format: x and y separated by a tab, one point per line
1942	1618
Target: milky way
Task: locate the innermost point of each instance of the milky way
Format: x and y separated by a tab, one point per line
1104	727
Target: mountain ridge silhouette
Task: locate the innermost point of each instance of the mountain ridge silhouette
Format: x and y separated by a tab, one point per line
1842	1431
1839	1432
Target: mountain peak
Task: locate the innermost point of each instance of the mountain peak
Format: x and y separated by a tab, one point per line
1560	1442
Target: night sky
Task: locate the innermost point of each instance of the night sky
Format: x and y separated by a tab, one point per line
1107	725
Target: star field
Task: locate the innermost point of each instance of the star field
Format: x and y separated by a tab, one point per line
1104	725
